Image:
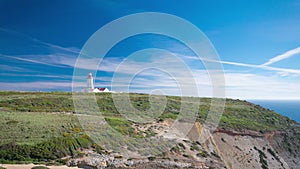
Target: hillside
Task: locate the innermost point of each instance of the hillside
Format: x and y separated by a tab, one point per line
43	127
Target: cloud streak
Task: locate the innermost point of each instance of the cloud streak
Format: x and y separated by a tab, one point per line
49	45
239	85
35	86
283	56
294	71
265	67
31	60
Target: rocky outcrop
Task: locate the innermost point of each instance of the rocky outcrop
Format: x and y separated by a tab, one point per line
202	149
287	146
236	133
93	160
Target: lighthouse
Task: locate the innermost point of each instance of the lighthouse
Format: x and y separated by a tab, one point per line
90	83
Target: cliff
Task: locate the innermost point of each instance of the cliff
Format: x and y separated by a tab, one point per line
44	127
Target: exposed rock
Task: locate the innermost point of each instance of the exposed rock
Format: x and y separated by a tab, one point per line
203	149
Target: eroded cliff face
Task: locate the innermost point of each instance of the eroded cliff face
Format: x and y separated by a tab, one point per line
247	152
219	149
287	145
252	149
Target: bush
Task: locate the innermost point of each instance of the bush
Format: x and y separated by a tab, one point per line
194	147
39	167
202	154
187	156
151	158
181	145
13	122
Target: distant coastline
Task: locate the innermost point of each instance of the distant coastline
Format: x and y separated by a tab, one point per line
289	108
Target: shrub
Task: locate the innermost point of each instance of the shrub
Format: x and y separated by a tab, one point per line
202	154
12	122
120	156
223	140
40	167
187	156
273	154
181	145
77	130
151	158
262	157
194	147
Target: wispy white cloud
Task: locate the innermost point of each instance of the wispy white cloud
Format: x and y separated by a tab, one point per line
253	86
26	58
282	71
56	76
5	68
283	56
60	48
35	86
38	41
56	56
239	85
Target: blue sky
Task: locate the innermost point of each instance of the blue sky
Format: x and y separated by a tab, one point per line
257	42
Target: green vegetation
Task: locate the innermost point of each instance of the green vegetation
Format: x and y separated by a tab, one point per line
39	167
273	154
187	156
202	154
37	102
241	115
262	158
34	127
120	124
194	147
152	158
181	145
238	115
52	149
37	126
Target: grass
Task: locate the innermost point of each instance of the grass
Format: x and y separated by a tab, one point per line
36	122
241	115
33	127
238	114
121	125
52	149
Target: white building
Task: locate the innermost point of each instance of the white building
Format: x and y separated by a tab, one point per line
97	90
91	87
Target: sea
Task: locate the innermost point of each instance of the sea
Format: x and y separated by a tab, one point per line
289	108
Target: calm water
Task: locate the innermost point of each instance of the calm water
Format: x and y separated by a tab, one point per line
289	108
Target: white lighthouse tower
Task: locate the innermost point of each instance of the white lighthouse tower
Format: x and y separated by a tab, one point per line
90	83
